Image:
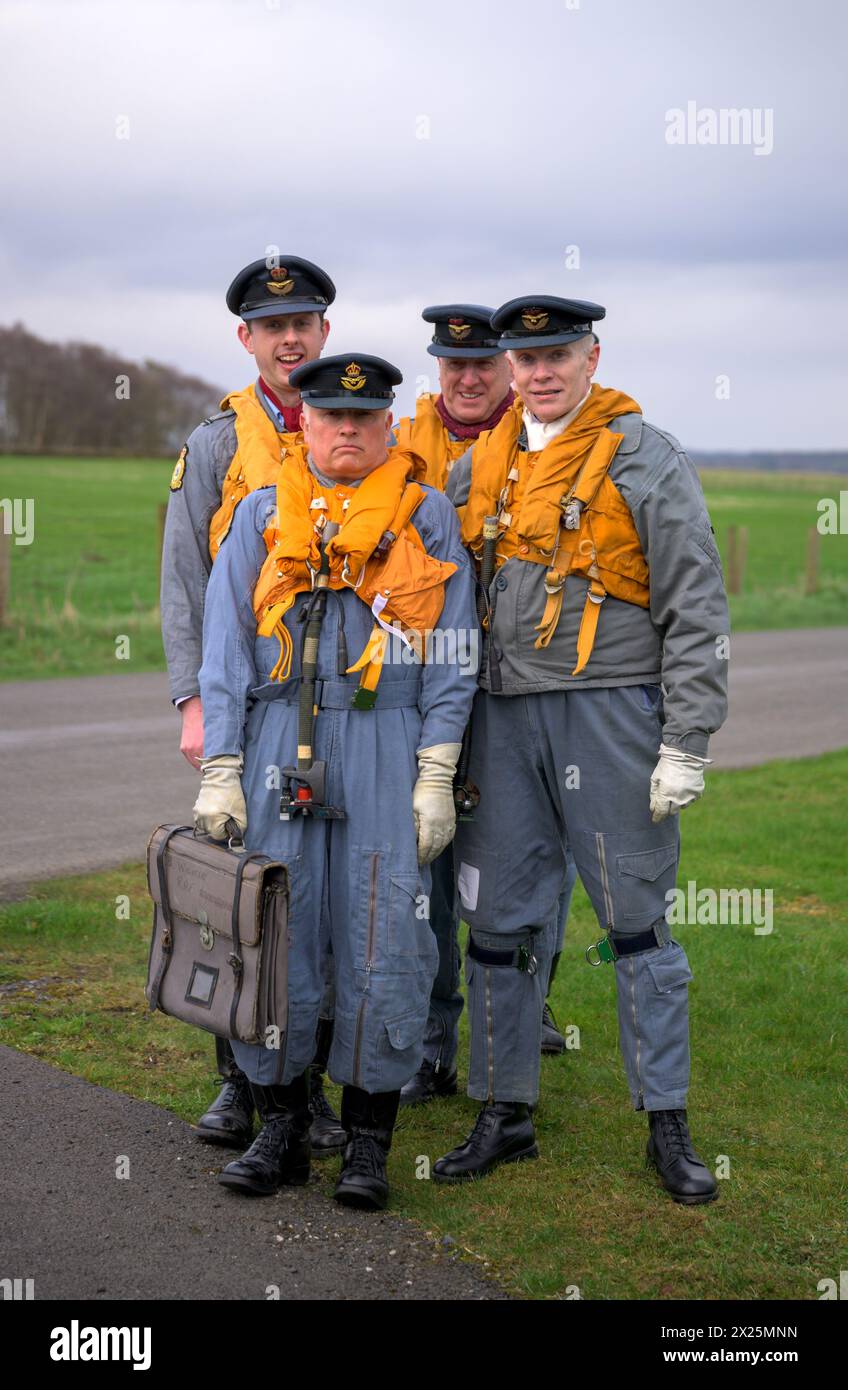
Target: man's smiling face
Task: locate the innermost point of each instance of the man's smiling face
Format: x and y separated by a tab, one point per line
473	387
552	380
282	342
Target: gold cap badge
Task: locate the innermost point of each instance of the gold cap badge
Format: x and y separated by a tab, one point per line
354	377
279	282
458	329
535	318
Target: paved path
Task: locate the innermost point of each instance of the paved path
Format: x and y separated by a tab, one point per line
170	1231
90	765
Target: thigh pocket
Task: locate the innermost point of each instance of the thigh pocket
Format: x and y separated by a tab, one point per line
644	879
408	928
669	968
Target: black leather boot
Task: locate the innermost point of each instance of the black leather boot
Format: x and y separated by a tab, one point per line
503	1133
369	1121
552	1040
229	1119
325	1131
670	1151
428	1082
279	1155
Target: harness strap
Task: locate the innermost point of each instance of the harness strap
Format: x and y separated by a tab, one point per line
234	959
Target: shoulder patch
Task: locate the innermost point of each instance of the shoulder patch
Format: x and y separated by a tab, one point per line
179	469
221	415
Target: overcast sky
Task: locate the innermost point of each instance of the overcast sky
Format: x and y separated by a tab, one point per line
453	150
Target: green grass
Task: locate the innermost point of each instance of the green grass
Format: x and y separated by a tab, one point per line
91	573
769	1067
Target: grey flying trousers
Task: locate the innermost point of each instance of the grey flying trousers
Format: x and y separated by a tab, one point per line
569	768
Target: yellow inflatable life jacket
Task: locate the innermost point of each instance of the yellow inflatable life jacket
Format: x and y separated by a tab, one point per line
377	552
560	508
428	436
256	461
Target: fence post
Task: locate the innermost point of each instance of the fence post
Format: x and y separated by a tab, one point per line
5	575
811	578
737	557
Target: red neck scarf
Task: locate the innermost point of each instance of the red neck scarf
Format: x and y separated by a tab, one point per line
466	431
292	414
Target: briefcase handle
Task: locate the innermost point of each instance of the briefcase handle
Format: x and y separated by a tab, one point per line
235	839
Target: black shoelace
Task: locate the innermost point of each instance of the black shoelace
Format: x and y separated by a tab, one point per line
365	1154
675	1135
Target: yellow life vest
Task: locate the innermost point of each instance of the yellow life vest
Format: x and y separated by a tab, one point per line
256	461
377	552
428	436
533	496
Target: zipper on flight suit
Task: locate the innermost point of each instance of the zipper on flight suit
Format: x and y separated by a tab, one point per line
369	953
490	1038
602	860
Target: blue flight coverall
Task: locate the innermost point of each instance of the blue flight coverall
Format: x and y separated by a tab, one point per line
356	887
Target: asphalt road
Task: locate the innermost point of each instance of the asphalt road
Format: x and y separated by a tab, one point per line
169	1230
91	765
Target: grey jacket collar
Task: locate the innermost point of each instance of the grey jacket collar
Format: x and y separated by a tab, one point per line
630	426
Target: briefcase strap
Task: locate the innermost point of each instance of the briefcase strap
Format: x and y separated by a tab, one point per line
166	937
234	957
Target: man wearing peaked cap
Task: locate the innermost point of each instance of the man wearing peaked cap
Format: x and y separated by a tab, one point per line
335	673
281	303
605	610
475	379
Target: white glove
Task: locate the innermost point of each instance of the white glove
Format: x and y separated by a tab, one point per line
432	799
676	781
220	797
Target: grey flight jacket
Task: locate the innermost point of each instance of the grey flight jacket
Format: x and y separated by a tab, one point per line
681	641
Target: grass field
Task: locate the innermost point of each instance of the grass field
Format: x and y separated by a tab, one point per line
769	1068
91	574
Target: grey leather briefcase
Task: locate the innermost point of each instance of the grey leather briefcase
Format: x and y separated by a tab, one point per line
218	953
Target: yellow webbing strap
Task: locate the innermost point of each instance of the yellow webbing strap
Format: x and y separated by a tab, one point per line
371	661
272	624
589	623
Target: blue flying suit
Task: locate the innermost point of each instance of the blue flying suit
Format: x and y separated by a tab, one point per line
356	888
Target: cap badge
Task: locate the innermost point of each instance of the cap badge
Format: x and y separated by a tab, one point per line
279	282
535	318
458	329
354	377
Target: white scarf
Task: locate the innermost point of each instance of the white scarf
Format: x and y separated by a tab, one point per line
541	432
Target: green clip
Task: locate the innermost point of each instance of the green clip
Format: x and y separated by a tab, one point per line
363	699
527	961
605	950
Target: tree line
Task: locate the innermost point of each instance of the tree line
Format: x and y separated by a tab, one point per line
70	398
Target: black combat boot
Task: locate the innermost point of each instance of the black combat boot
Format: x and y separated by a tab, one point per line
325	1131
279	1155
369	1121
503	1133
670	1151
229	1119
552	1040
429	1081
